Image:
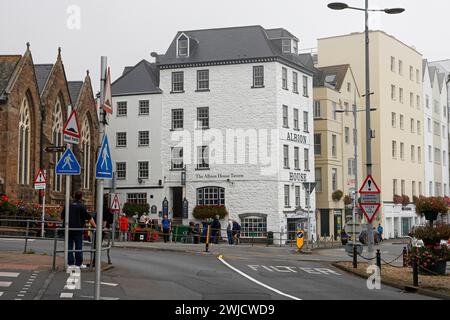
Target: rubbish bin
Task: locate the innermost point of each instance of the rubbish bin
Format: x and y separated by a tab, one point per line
270	237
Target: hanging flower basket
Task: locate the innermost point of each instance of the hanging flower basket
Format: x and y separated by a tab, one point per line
430	207
337	195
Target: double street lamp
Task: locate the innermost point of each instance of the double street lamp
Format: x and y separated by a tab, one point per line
342	6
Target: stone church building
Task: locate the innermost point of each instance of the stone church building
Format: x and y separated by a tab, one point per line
34	104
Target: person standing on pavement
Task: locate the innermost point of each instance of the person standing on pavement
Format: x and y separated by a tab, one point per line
229	232
166	228
236	232
380	232
78	215
215	226
123	227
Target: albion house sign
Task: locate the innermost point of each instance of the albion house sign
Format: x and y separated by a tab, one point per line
295	137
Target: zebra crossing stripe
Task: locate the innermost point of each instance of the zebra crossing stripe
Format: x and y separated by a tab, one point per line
5	284
9	274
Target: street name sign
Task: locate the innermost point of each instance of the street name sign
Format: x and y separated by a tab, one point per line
40	182
55	149
68	164
103	168
71	129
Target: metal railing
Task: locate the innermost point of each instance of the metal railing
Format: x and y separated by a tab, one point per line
197	234
28	229
92	250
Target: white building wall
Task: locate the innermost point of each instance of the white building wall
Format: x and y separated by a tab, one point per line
132	123
428	132
250	188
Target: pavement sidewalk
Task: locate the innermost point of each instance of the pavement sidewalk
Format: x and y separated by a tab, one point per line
27	261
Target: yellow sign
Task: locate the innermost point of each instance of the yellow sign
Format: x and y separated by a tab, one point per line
300	235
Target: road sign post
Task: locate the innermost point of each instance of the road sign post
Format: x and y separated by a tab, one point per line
370	204
68	166
103	167
40	183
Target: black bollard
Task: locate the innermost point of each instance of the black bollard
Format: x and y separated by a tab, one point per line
415	272
355	258
379	259
405	257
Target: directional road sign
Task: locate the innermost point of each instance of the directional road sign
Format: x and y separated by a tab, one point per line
68	164
103	169
55	149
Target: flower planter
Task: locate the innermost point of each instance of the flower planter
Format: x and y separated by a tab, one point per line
439	268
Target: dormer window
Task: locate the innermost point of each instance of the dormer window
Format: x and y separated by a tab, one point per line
183	46
295	46
286	45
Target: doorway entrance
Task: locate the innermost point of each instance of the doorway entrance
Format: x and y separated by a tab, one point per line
177	204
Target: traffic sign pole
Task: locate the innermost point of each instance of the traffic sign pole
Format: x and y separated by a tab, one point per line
67	208
43	210
100	185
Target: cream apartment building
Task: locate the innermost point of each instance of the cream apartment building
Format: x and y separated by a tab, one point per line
398	143
334	140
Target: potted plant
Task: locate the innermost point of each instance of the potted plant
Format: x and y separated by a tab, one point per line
405	200
337	195
432	235
430	207
209	212
397	199
348	200
431	261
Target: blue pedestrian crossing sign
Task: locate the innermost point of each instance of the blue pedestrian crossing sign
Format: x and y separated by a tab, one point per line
68	164
104	169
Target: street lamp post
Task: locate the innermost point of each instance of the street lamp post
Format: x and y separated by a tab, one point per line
342	6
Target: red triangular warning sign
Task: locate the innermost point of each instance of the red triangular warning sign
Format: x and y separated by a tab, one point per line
369	186
107	99
115	206
370	210
40	178
71	127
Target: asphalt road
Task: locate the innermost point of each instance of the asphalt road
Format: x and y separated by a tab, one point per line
148	274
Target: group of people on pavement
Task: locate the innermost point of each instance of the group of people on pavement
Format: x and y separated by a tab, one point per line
79	217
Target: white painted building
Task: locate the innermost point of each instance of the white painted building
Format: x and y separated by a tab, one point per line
436	133
134	133
238	85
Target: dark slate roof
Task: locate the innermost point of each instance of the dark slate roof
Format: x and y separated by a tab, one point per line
231	44
279	33
331	76
441	78
424	67
143	78
8	64
42	74
432	71
126	69
74	90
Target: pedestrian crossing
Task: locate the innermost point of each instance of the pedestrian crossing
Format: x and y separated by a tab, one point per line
9	279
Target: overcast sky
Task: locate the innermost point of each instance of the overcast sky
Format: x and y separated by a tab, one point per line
128	30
